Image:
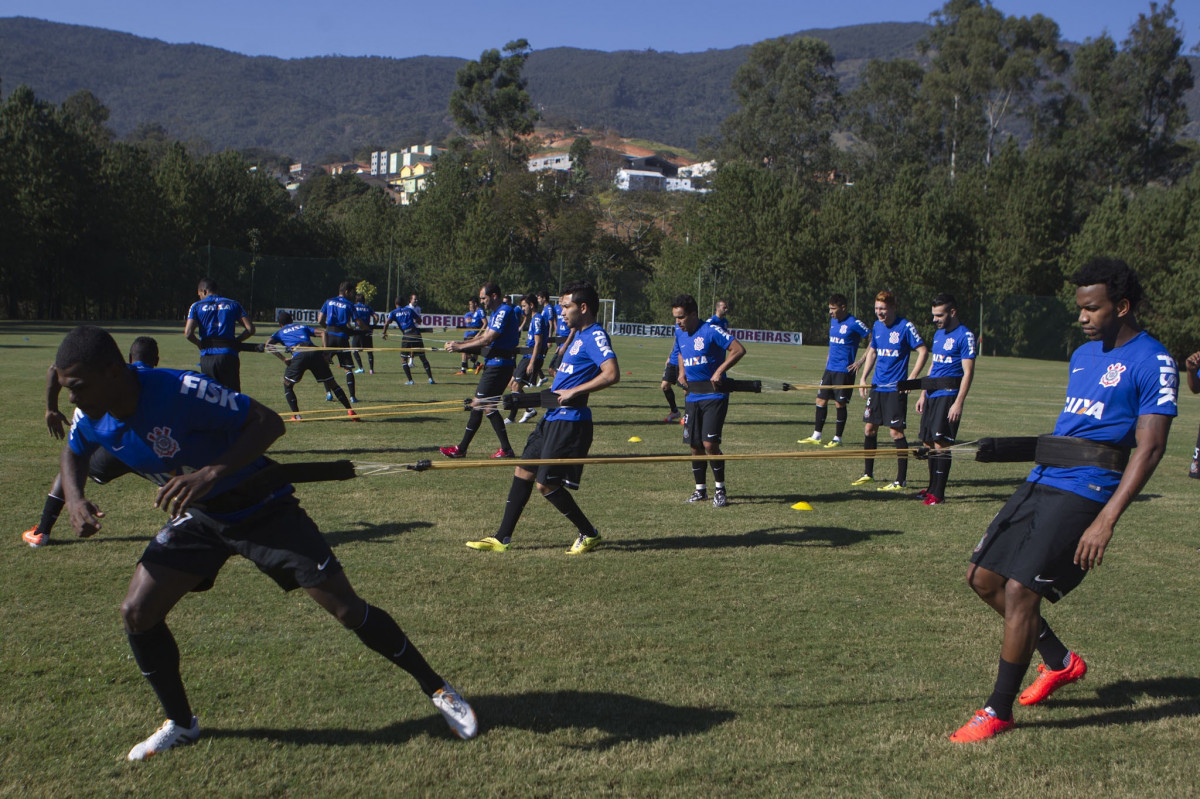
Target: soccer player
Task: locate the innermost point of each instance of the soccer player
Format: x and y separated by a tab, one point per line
705	354
500	337
102	466
1122	392
845	333
408	321
549	324
204	446
941	409
291	336
212	326
893	338
362	338
1192	364
671	377
527	368
720	316
337	319
590	365
474	320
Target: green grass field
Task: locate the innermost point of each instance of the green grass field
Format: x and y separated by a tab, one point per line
751	651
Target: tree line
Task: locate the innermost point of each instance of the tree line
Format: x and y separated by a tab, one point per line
989	168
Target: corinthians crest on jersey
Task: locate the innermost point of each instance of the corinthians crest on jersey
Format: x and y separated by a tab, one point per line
1113	375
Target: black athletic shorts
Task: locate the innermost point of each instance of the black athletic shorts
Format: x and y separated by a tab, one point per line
671	373
362	340
887	409
225	368
307	361
1033	538
279	539
104	467
838	395
411	340
344	358
524	373
559	439
703	421
494	380
936	426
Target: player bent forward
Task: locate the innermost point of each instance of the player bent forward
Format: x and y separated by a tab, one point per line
1057	525
203	445
589	365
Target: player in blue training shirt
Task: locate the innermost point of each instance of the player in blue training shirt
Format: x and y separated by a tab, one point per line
535	340
549	328
670	377
203	445
953	356
500	339
893	339
845	334
290	336
1122	393
363	338
103	467
705	353
212	326
720	317
408	322
337	318
589	365
473	321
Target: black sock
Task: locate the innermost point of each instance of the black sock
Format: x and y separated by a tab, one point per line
497	421
380	632
718	469
341	396
289	394
473	422
1053	651
350	382
821	415
941	474
700	472
840	415
428	371
50	512
358	359
407	371
869	442
902	467
518	496
669	393
561	498
463	367
1008	683
371	361
931	462
157	655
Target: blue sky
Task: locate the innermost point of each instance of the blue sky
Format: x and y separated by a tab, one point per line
299	28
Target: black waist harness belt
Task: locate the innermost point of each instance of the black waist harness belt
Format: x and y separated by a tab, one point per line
1049	450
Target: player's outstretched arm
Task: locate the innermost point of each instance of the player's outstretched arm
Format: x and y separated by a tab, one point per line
259	431
1192	366
55	420
1151	433
85	516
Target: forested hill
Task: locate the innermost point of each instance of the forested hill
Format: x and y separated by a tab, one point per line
312	107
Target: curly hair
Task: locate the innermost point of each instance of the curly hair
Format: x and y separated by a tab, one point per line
1121	282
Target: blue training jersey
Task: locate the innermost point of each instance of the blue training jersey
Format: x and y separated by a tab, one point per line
339	316
1106	393
473	320
294	335
508	334
948	352
561	328
844	338
892	348
216	318
719	321
183	422
535	329
406	319
587	352
701	352
366	314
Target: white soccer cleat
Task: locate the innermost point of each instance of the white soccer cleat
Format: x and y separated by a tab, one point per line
168	736
455	711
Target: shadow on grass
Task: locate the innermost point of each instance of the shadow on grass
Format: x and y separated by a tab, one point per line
622	719
771	536
371	532
1115	702
350	451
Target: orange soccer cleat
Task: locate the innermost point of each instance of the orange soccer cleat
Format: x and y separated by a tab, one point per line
1048	681
983	726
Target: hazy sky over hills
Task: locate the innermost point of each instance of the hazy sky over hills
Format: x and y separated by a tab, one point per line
300	28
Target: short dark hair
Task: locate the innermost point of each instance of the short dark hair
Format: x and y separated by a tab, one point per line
531	299
360	297
283	318
209	284
945	299
490	288
838	299
90	345
1120	281
344	287
687	302
144	349
583	293
542	294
